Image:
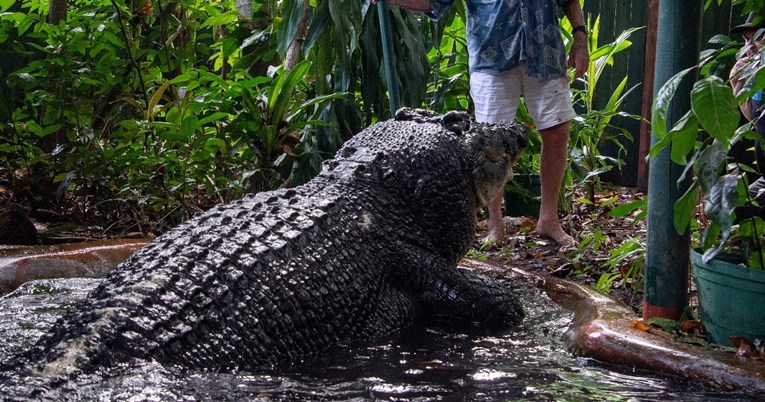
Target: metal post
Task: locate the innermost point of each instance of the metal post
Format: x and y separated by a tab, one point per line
667	253
388	56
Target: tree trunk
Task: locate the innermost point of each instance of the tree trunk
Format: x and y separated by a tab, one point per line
56	11
294	51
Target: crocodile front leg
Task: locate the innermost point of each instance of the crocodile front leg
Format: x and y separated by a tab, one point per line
456	294
462	295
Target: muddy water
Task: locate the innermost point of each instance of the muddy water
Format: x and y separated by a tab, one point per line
423	364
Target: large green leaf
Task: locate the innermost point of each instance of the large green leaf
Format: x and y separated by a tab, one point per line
626	209
221	19
281	92
720	206
319	22
709	236
155	98
713	103
662	101
722	201
190	124
293	11
317	100
683	209
754	83
708	165
683	138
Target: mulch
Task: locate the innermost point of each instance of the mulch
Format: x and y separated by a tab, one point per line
596	230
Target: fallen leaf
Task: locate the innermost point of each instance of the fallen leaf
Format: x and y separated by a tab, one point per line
528	225
690	327
640	325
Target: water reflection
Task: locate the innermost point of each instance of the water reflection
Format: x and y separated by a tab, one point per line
422	364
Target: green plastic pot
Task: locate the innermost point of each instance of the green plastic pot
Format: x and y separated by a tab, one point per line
731	298
522	196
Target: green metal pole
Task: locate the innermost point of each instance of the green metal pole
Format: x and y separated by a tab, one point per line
388	56
667	253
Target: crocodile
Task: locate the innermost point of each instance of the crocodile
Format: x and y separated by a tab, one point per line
366	248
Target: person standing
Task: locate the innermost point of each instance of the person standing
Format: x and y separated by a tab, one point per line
515	48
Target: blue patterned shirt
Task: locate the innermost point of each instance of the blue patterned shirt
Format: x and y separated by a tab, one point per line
503	33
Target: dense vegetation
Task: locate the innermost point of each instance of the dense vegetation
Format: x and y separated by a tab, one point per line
143	113
135	116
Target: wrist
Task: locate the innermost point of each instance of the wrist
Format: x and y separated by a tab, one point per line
414	5
579	29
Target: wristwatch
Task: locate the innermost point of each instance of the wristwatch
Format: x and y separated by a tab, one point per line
579	28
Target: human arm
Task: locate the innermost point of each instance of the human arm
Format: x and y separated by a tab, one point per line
579	56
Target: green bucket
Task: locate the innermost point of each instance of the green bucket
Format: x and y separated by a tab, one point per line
731	298
522	196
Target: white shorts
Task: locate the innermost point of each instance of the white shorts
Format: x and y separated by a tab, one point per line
496	97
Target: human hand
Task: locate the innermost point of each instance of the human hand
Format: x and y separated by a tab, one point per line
579	56
736	79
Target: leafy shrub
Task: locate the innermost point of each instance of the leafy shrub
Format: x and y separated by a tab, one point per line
146	114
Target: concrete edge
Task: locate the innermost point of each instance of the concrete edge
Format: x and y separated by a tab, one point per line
91	259
602	329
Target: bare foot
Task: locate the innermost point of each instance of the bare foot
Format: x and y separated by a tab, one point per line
496	233
496	225
495	237
556	233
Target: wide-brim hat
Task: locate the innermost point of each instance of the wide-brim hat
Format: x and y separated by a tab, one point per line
748	25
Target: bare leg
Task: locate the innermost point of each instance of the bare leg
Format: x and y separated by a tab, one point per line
496	224
552	161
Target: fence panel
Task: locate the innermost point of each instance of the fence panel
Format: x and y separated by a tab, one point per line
615	17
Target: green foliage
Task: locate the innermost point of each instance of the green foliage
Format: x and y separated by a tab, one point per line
701	141
593	127
145	113
626	209
623	268
140	114
628	260
449	86
148	114
591	241
479	254
528	162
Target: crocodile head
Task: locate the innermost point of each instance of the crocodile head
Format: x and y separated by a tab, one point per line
493	149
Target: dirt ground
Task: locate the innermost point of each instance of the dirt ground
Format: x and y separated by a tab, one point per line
599	234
